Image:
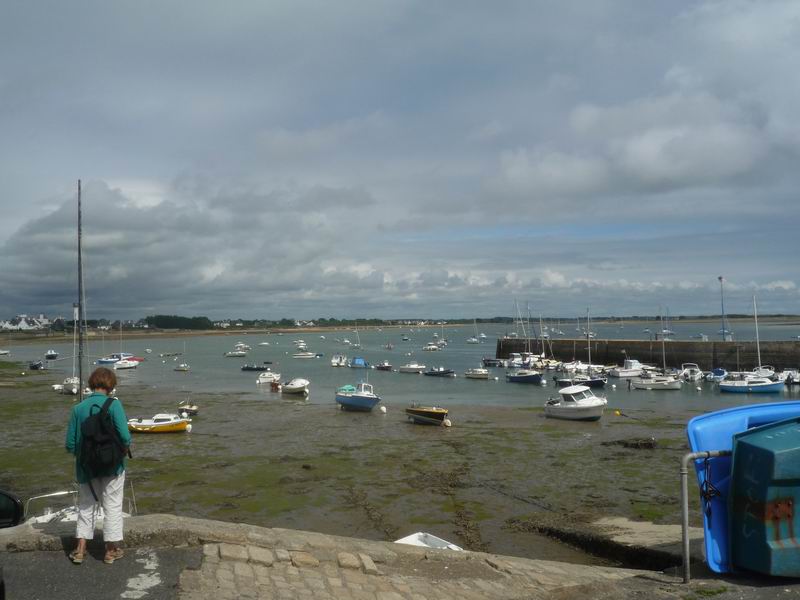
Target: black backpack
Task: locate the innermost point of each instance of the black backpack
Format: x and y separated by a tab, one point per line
102	450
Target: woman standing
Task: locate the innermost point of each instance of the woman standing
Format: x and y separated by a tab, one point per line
104	487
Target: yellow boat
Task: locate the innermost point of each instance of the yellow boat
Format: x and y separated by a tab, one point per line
428	415
161	423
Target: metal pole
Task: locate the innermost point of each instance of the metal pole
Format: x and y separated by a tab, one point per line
81	314
687	458
722	304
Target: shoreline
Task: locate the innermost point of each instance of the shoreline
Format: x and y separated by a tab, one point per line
23	338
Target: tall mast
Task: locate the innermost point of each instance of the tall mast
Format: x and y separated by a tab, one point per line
663	346
589	341
723	332
758	345
80	312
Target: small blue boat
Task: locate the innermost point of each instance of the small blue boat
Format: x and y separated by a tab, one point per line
715	431
716	375
357	362
752	385
524	376
357	398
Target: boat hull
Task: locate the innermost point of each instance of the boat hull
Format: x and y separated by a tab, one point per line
357	403
296	386
531	378
144	427
655	384
477	374
442	373
742	387
589	413
427	415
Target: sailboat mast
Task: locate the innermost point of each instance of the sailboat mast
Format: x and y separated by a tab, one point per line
722	307
589	341
663	346
758	344
81	316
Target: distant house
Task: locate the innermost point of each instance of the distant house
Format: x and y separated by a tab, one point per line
25	323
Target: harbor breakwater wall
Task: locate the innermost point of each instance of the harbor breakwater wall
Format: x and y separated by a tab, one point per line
733	356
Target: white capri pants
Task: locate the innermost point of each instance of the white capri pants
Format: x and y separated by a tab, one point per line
109	492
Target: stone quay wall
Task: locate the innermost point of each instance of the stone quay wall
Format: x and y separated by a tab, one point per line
733	356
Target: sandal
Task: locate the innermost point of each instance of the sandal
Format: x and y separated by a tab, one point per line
113	555
76	557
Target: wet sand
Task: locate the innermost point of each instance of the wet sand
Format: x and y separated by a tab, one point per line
273	462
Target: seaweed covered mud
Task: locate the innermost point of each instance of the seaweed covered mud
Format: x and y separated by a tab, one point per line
271	462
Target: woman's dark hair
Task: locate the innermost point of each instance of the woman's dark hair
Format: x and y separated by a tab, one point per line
102	378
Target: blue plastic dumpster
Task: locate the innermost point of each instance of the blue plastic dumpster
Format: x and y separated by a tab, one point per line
764	492
715	431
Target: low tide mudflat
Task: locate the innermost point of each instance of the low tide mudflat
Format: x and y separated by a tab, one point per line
287	463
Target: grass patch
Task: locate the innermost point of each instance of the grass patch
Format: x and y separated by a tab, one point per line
707	593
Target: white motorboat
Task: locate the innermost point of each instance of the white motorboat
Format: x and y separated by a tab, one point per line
577	403
630	368
656	382
296	386
71	385
125	364
241	346
427	540
430	347
183	368
268	377
5	352
477	373
339	360
235	353
305	354
690	372
412	367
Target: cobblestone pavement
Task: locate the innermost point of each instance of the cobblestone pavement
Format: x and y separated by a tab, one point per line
243	561
231	571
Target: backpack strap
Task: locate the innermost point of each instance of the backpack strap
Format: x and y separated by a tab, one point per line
106	405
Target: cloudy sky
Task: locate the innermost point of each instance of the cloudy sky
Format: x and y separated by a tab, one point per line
403	158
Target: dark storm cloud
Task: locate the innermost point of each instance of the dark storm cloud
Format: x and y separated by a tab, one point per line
393	158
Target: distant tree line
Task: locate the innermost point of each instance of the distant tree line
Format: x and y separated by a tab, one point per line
176	322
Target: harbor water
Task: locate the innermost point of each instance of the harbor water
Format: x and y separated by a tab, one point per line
277	460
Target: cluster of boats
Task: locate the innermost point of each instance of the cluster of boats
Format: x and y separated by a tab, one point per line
413	367
529	368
